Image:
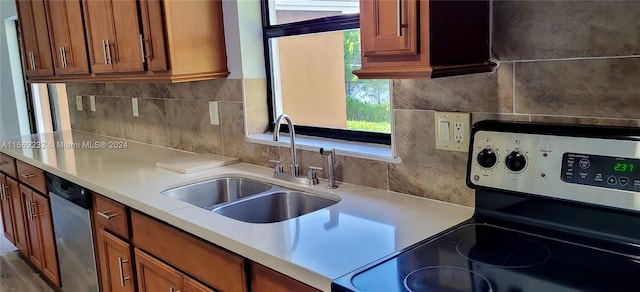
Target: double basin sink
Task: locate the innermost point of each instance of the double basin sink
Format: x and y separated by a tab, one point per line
249	200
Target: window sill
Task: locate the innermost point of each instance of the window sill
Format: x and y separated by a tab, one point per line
345	148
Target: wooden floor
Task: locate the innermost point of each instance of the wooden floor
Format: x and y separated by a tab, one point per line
15	274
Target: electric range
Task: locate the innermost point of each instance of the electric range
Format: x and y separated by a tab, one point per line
557	209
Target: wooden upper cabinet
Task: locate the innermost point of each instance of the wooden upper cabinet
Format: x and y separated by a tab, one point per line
423	39
395	30
152	40
113	36
36	49
68	43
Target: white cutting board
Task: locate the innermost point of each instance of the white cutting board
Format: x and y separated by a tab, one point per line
189	163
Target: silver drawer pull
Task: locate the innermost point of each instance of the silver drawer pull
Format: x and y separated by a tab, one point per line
3	194
106	215
27	175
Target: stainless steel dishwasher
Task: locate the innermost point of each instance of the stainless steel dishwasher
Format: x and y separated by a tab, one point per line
70	209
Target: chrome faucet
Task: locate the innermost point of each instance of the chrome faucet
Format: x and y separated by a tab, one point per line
295	171
311	178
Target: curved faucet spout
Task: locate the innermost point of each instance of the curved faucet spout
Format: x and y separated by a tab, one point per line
292	134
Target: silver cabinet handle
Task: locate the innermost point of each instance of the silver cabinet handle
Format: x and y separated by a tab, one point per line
104	51
109	52
61	57
121	262
27	175
7	195
33	210
32	61
173	290
29	212
142	49
399	6
106	215
3	195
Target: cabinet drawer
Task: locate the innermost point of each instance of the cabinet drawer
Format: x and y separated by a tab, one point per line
8	165
204	261
32	176
111	215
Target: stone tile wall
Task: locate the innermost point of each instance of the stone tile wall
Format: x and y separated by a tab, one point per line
559	61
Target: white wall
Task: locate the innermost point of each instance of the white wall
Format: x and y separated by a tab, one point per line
243	37
13	122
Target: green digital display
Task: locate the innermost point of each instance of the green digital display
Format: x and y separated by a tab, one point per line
623	167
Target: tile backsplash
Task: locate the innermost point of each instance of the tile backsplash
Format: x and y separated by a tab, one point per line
558	61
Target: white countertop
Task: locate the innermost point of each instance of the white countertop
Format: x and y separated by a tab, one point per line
365	225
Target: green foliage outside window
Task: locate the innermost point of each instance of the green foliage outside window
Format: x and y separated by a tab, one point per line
368	106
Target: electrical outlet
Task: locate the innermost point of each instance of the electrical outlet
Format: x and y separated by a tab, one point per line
92	102
134	106
79	103
214	117
458	133
453	131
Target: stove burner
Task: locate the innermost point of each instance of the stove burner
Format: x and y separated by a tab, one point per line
506	251
446	278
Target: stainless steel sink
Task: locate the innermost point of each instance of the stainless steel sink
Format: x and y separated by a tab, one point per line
274	206
211	193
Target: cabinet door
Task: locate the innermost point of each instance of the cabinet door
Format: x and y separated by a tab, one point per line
35	243
20	218
264	279
42	214
154	275
35	37
191	285
115	263
67	36
153	35
114	35
8	221
389	28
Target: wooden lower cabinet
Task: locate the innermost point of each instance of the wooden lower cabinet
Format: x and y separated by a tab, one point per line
8	218
154	275
264	279
115	260
19	216
42	247
204	261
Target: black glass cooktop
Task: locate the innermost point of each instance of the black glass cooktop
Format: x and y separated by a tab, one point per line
484	257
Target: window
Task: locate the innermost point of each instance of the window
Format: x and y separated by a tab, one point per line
312	46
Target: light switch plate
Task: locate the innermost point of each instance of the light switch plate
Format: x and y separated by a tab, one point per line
79	103
458	131
92	102
214	117
134	106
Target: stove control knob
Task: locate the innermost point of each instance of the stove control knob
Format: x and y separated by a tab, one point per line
487	158
515	161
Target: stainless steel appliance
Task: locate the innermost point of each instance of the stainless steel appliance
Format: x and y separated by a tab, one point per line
70	206
557	209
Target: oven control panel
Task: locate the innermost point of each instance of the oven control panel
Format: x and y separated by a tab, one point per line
592	170
602	171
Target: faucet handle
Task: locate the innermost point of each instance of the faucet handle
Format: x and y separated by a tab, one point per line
312	175
278	168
